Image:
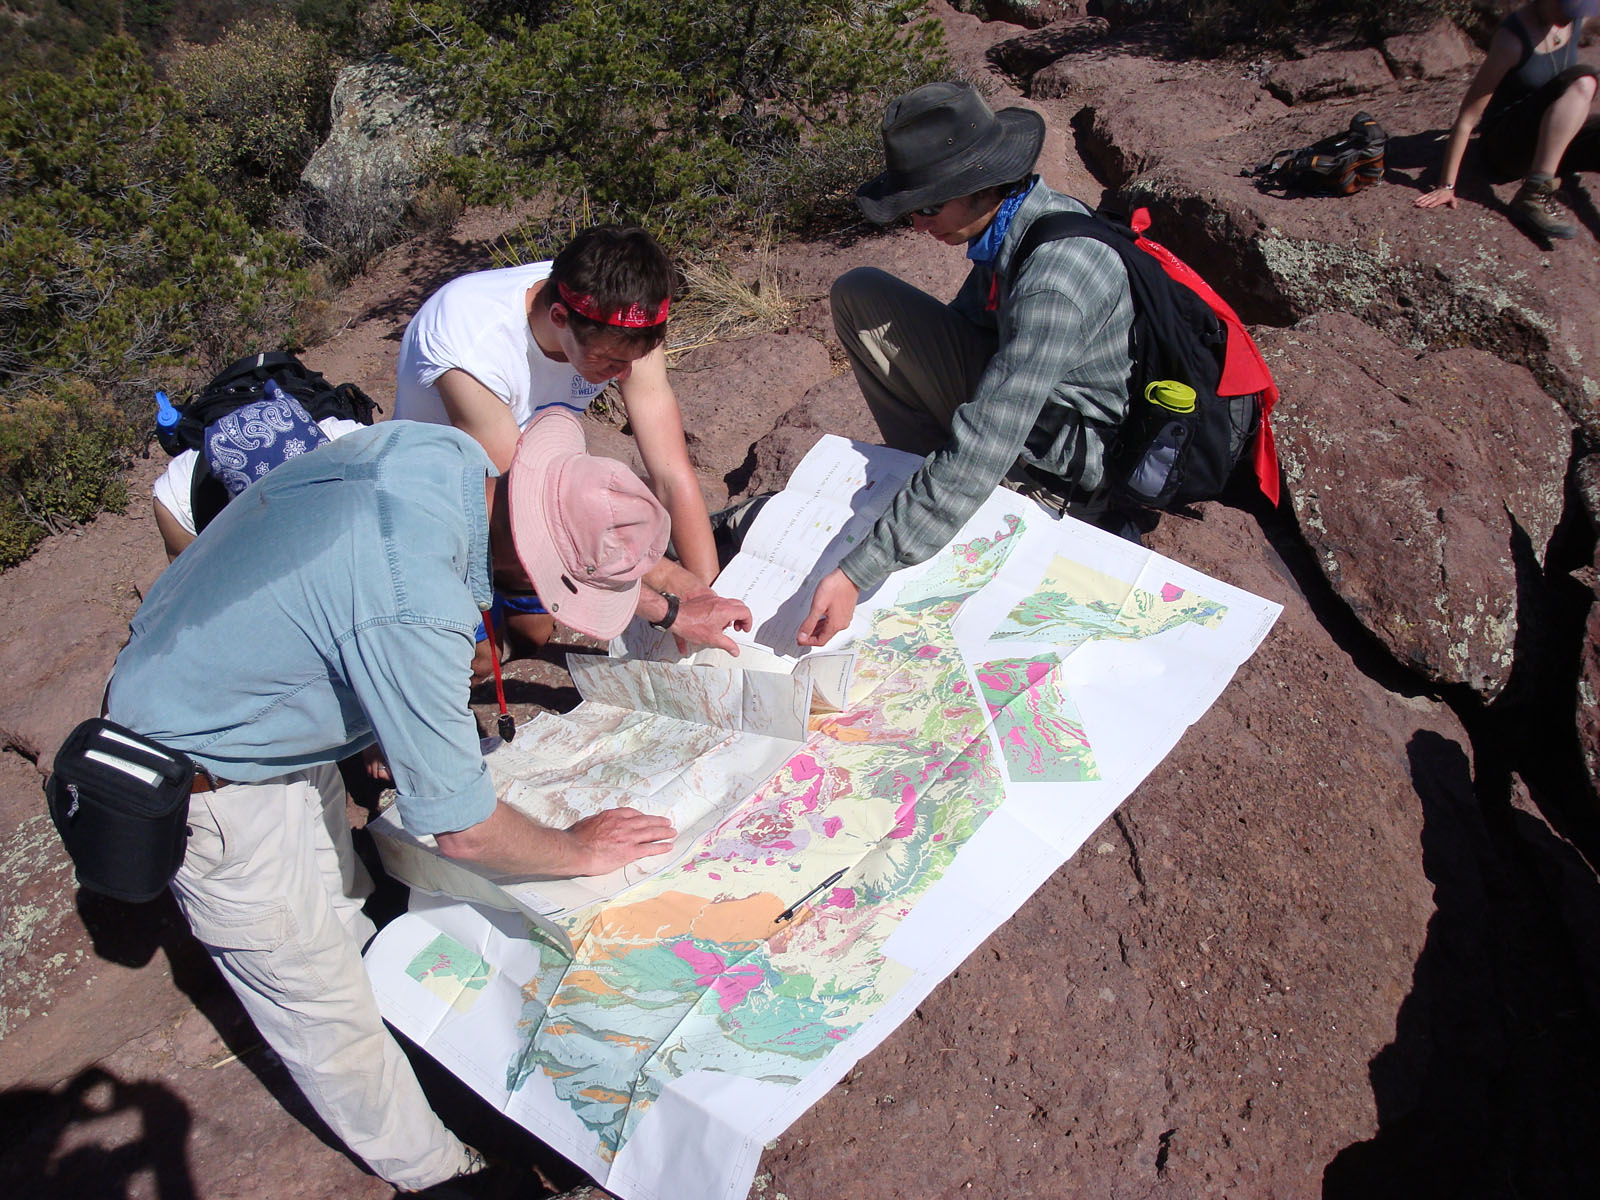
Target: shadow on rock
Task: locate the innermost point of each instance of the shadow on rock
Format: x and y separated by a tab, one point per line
129	935
1487	1086
53	1148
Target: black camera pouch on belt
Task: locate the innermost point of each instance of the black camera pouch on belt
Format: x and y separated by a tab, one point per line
121	804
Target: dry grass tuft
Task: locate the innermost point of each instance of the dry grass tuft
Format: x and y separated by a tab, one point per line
719	304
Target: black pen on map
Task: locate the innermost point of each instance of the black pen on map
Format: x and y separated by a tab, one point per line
789	912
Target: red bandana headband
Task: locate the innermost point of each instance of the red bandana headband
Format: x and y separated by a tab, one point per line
632	317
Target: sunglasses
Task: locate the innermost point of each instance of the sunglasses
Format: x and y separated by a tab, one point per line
932	210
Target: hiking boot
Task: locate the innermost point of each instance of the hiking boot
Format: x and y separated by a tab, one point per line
1536	208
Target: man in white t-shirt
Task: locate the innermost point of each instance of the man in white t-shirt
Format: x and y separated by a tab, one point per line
489	351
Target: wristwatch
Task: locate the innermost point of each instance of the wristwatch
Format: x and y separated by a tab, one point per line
671	615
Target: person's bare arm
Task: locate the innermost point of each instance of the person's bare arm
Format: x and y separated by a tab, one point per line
1503	54
657	424
474	409
173	535
702	614
509	842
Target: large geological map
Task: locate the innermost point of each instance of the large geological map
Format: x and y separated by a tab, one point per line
968	701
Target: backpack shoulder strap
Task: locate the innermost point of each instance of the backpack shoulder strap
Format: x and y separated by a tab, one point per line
207	496
1186	336
251	366
1057	226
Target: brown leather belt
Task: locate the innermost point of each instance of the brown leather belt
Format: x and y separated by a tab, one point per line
205	783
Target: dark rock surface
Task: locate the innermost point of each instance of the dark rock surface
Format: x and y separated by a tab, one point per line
1427	486
1325	76
1026	53
1434	53
1587	478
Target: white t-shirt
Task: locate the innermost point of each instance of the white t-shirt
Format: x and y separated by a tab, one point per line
478	323
174	488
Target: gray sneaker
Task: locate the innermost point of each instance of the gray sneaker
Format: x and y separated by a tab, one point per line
1537	210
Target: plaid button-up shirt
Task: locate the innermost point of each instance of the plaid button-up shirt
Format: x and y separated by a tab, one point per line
1053	394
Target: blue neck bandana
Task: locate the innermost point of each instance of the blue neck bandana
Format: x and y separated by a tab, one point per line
985	248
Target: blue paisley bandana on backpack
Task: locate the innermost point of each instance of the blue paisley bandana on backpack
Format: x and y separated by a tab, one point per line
247	443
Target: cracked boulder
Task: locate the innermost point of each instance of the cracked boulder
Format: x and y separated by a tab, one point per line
1427	486
385	124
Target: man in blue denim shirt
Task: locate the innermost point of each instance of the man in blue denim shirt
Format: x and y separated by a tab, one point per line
332	605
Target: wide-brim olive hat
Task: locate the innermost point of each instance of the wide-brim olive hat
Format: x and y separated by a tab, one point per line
942	141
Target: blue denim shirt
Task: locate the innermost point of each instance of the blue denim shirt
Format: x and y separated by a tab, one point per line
331	604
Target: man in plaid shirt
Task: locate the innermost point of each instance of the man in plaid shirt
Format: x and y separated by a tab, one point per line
1037	371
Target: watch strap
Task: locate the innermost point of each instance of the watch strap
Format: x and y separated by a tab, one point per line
671	615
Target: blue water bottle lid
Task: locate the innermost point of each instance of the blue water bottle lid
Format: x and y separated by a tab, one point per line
166	415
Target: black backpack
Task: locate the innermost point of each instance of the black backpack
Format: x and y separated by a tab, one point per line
1172	448
244	382
1341	164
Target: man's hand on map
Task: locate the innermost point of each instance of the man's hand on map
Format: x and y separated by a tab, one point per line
702	618
617	837
511	843
832	606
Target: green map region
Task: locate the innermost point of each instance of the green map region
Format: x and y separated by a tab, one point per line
451	972
1037	725
1074	604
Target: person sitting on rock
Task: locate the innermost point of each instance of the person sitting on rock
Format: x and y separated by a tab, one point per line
1532	104
1037	370
336	611
491	350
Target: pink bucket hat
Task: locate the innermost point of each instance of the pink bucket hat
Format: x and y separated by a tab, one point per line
585	528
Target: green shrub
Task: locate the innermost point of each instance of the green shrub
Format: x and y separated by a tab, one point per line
121	268
659	110
258	104
55	34
62	455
